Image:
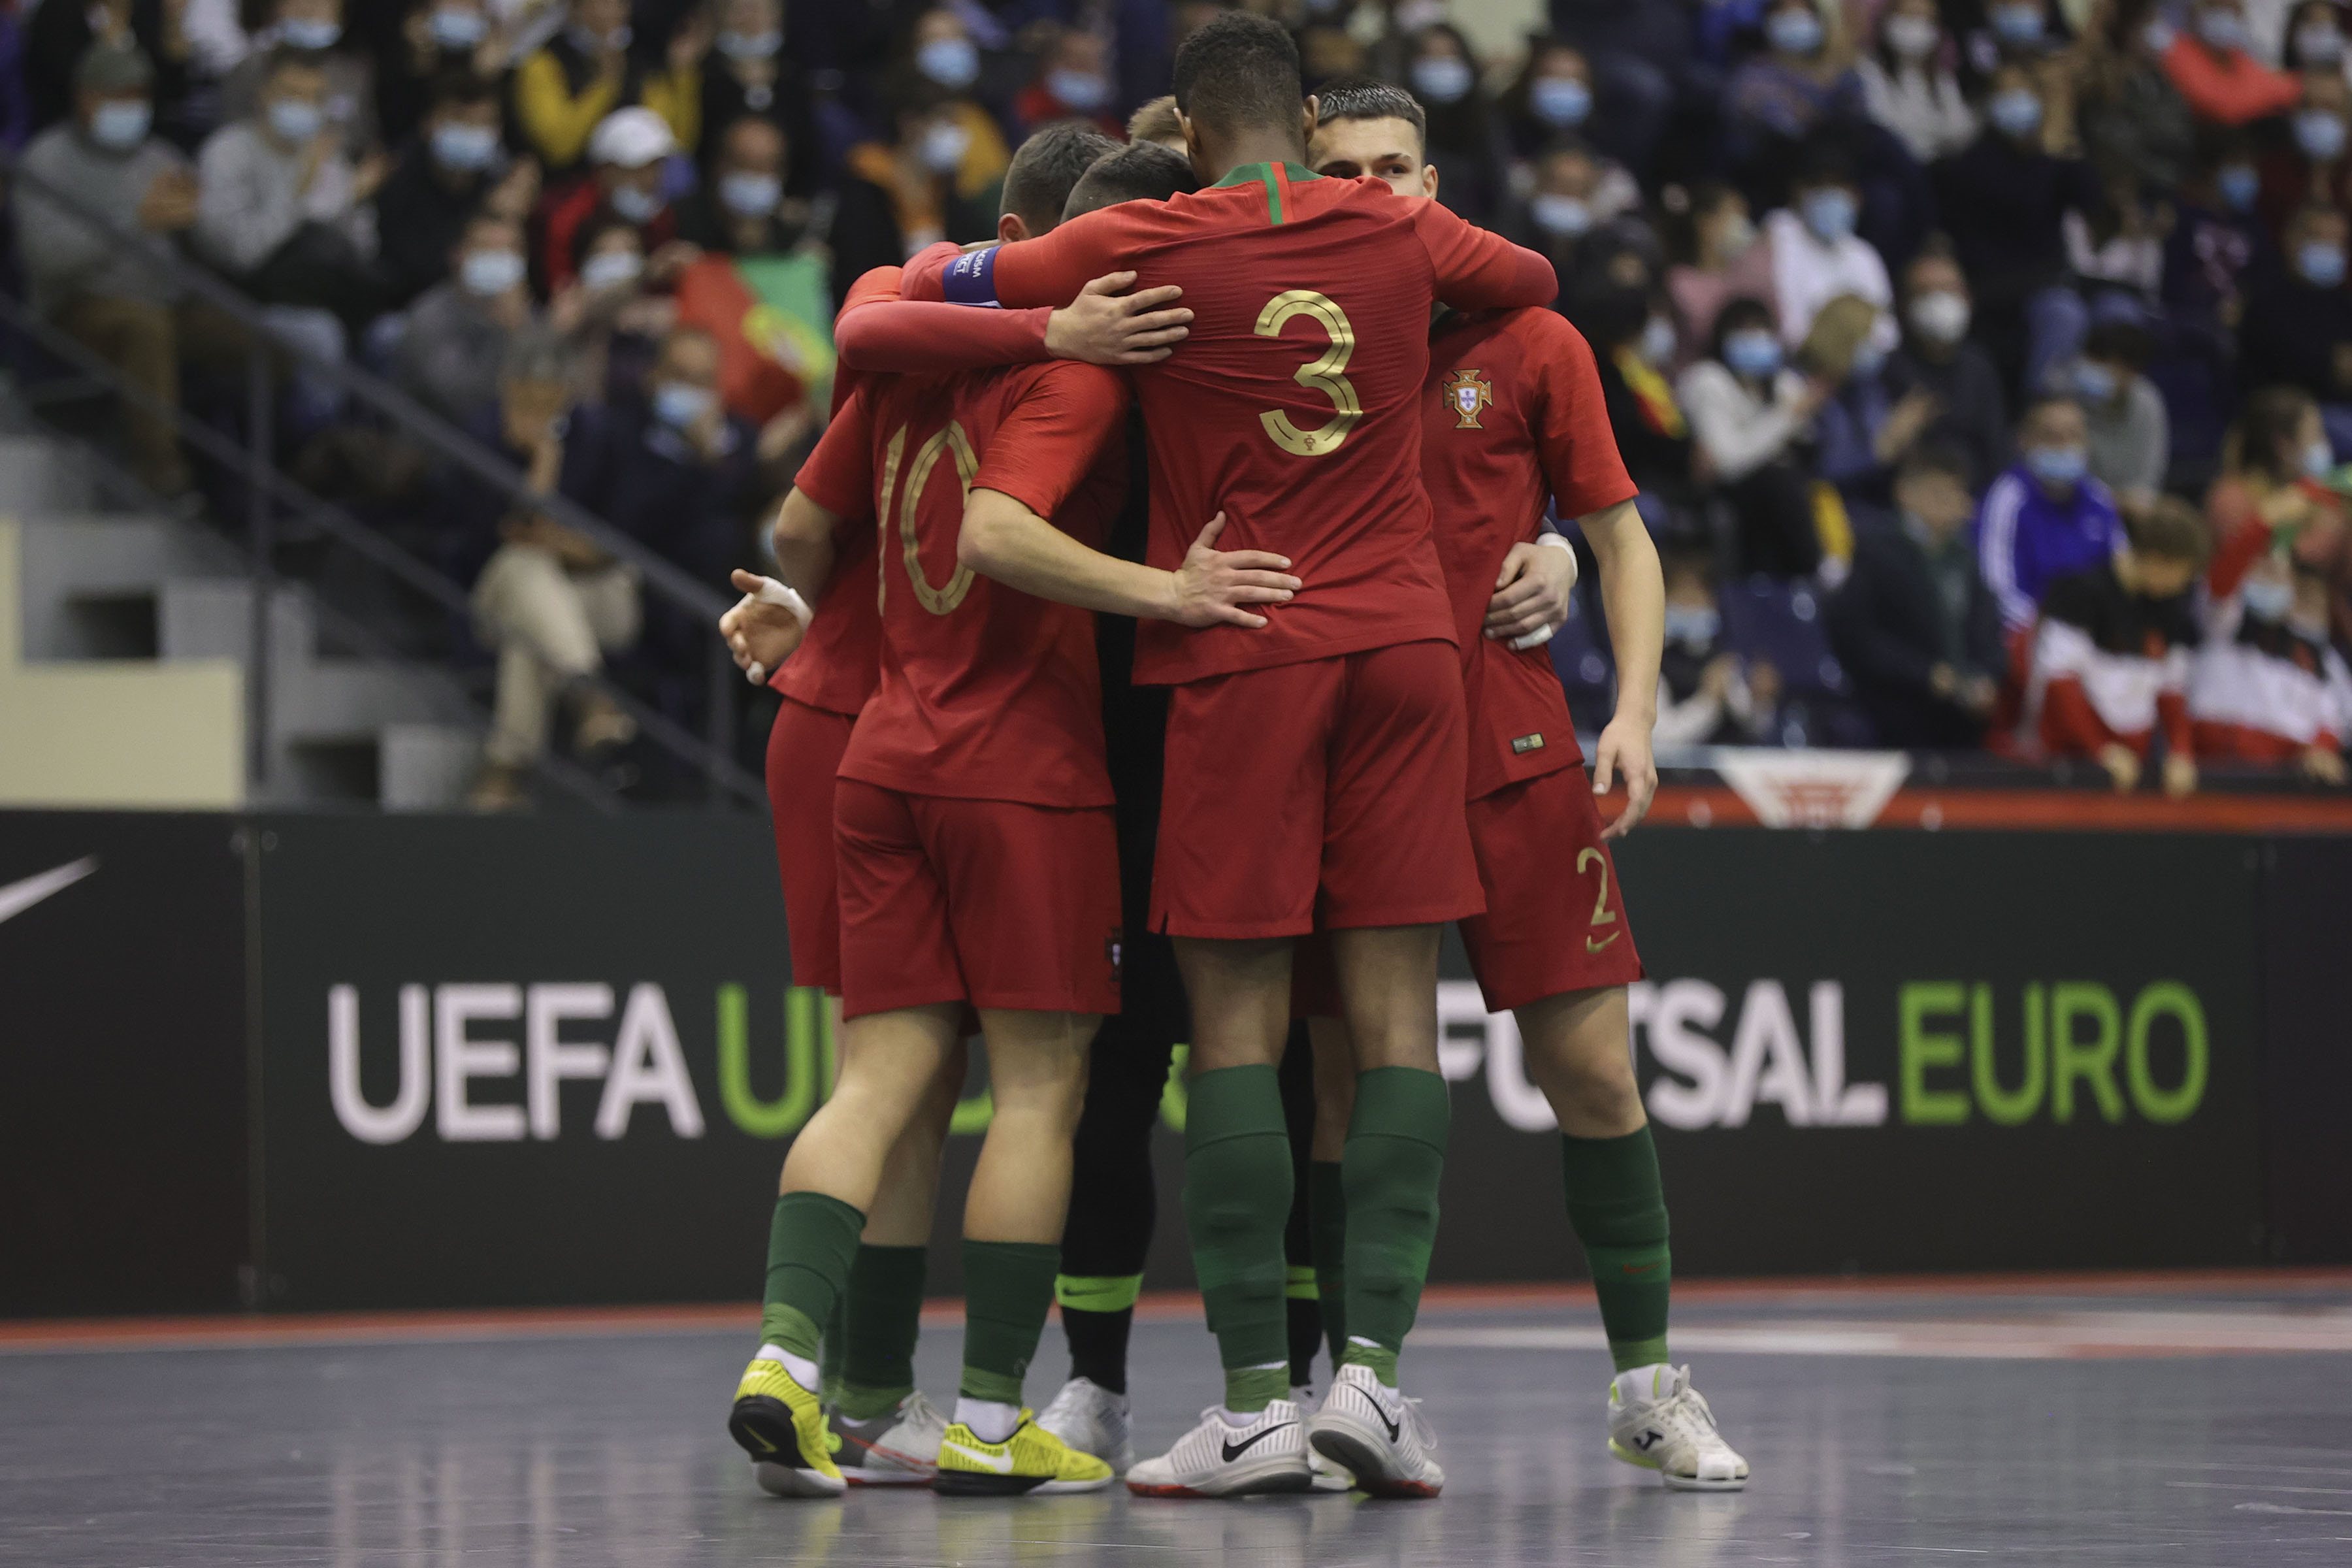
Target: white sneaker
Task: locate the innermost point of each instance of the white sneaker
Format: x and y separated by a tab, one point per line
1092	1420
1328	1477
1215	1459
900	1447
1378	1435
1658	1421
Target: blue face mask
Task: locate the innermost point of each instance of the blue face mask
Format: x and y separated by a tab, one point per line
1692	626
2321	263
1868	360
1657	341
1082	91
635	204
681	405
750	45
2018	24
491	273
748	195
457	30
464	147
1752	351
950	62
2096	383
2061	467
292	119
2223	30
2267	600
2237	185
2319	459
1442	79
1828	213
2015	112
309	33
2319	134
1793	32
1559	100
121	126
1566	216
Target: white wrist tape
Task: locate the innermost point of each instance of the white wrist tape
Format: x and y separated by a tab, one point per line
1535	639
784	595
1543	635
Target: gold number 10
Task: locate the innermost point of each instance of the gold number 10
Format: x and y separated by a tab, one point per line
1325	374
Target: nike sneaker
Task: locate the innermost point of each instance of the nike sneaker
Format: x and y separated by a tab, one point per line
782	1427
1215	1460
1658	1421
1031	1462
1378	1435
1328	1477
1092	1420
900	1447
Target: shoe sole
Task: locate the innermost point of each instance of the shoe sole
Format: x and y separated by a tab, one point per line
779	1480
1271	1479
1671	1483
971	1483
1363	1456
762	1427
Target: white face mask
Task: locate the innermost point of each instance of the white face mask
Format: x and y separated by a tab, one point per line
1940	316
456	28
488	274
295	120
1657	341
748	195
1442	79
1566	216
943	146
611	270
309	33
122	125
1912	37
636	202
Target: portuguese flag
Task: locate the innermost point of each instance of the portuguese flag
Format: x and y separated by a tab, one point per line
773	319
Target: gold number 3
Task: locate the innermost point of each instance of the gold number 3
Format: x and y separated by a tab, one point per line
1325	374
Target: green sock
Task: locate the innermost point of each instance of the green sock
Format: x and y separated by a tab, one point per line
1394	1158
1008	1288
1236	1200
1328	1241
885	1288
1618	1207
833	1351
811	1240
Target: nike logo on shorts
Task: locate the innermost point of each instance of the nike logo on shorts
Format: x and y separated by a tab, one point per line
1592	946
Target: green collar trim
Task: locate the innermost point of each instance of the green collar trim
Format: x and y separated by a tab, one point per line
1273	177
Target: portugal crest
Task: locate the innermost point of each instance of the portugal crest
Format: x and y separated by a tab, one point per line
1468	392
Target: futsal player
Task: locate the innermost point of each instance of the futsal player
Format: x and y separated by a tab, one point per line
1319	763
1513	413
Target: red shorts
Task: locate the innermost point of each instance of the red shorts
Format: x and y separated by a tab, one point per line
1324	793
1555	920
804	749
989	902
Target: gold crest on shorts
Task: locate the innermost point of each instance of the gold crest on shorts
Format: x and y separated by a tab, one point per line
1468	392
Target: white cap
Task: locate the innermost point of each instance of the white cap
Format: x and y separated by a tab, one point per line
631	138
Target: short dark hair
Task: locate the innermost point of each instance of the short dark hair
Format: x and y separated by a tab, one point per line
1139	171
2118	342
1932	459
1038	180
1239	69
1824	163
463	88
287	58
1369	97
2172	529
1739	315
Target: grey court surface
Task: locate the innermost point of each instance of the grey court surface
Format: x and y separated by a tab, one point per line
2098	1428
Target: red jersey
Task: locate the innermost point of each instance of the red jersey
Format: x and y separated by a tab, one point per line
1512	414
986	693
1293	406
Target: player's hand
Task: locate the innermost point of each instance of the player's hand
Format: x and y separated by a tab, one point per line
1531	594
1213	585
1624	754
1106	325
2322	764
2121	765
759	635
2179	774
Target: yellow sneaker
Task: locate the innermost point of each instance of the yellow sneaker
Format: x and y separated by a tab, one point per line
1032	1461
782	1426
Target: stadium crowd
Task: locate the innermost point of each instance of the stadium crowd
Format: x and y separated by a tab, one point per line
1986	367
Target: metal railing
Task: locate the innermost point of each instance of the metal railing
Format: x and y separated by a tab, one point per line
269	491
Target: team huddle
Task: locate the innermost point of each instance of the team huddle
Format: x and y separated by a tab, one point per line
1161	656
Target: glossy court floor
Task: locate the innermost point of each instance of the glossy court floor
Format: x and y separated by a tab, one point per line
2180	1425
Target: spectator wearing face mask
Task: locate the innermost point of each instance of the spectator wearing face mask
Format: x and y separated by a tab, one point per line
1073	82
2267	685
2214	244
564	93
2314	39
749	74
1634	351
2311	165
938	178
2273	492
439	39
2019	32
1551	98
1466	134
312	27
2005	201
57	36
2111	653
1908	84
612	320
1718	257
2043	517
2128	113
2298	328
1708	695
1580	223
628	180
1937	356
1803	79
1751	419
1913	623
2220	78
110	300
1863	426
457	335
454	165
2129	434
1816	255
741	208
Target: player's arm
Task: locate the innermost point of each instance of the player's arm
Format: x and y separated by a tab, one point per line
1634	591
1048	271
1003	538
1102	326
1477	270
834	485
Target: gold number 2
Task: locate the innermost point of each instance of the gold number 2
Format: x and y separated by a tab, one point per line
1325	374
1601	913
